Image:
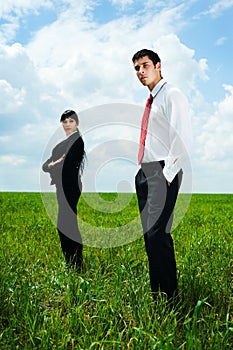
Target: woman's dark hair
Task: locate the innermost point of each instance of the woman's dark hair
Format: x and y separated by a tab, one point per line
153	56
69	114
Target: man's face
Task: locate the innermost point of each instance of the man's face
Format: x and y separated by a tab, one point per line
147	73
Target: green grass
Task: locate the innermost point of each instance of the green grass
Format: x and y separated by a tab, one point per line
108	305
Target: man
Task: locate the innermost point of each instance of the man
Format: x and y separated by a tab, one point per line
165	136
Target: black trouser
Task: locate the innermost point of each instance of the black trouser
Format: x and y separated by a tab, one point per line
67	225
156	202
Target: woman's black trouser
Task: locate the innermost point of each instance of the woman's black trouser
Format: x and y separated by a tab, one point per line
67	225
156	200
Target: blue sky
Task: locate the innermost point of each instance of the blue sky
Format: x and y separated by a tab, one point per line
69	54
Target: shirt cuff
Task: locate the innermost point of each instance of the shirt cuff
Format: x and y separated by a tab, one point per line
170	169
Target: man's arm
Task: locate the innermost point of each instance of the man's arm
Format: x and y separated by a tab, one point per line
179	133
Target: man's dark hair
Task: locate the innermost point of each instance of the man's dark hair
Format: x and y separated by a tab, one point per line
69	114
153	56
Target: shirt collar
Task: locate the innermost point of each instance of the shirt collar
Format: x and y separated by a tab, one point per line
71	134
157	87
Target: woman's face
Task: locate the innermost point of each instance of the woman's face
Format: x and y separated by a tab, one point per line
69	125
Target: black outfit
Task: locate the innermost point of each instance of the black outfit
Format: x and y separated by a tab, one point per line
156	202
67	178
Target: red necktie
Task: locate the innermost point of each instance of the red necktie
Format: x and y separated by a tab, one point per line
144	125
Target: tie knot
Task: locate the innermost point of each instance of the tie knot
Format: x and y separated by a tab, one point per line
150	100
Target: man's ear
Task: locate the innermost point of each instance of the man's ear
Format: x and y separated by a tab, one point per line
158	65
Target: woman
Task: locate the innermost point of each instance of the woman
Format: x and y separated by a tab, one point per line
65	167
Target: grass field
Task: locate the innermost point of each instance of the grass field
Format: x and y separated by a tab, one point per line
108	305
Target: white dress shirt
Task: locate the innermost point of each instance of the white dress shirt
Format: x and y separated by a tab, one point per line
169	129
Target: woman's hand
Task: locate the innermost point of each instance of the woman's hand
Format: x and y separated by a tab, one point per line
50	165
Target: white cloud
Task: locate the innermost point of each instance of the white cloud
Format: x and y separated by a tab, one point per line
220	41
122	3
10	98
24	98
18	74
8	30
14	64
89	64
13	11
4	138
20	7
180	66
12	159
216	138
218	8
213	144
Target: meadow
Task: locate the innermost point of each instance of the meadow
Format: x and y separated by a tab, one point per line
108	304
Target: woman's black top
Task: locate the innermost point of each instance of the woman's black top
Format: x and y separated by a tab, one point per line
67	172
